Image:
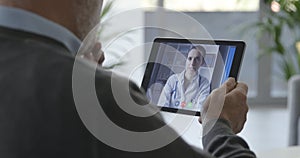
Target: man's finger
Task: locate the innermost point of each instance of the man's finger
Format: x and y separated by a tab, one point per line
242	87
204	109
229	84
96	50
101	59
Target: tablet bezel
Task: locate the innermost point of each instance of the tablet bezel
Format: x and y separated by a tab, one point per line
234	71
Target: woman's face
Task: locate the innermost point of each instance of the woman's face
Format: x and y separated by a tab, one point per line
193	61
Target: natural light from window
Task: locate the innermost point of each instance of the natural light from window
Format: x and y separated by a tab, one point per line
206	5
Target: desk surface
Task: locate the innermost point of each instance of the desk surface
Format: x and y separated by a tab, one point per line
289	152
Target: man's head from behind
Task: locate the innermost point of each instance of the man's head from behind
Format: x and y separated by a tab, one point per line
79	16
195	58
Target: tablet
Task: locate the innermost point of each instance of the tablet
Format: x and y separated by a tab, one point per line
181	73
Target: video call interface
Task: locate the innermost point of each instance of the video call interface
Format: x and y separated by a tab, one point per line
183	76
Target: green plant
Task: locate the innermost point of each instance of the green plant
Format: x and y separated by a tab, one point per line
282	16
105	10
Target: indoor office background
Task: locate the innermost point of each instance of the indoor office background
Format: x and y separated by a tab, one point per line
124	42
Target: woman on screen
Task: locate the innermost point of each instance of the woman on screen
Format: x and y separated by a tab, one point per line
188	89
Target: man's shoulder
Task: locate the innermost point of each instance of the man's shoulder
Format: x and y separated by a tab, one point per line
33	49
21	41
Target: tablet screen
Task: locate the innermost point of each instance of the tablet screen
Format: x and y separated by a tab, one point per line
181	73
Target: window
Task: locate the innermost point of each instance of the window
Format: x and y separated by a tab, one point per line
206	5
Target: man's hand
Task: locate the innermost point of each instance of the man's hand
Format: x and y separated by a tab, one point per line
95	54
228	102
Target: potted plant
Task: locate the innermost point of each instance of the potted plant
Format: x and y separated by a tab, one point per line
281	16
284	16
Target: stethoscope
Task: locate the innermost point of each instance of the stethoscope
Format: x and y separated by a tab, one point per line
173	93
174	90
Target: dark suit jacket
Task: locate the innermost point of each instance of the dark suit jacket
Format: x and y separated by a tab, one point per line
38	117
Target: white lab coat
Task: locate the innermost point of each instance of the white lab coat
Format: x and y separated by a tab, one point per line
174	96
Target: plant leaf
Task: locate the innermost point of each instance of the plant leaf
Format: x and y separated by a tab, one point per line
288	69
106	8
